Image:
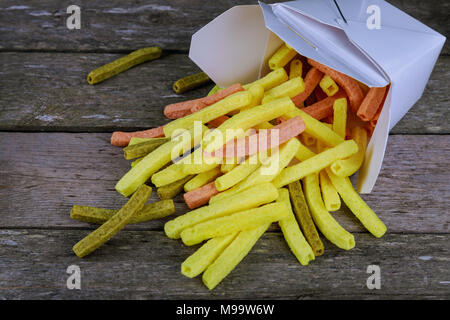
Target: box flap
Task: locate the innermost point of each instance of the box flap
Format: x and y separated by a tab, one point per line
235	46
231	48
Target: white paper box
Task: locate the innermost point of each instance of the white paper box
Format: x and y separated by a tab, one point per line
236	45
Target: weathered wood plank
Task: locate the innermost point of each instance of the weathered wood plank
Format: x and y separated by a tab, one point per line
43	174
146	265
115	25
49	92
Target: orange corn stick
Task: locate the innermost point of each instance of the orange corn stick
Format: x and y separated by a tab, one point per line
350	85
181	109
363	87
312	79
200	196
371	103
218	121
369	128
320	95
121	139
261	141
374	121
209	100
310	100
329	119
324	108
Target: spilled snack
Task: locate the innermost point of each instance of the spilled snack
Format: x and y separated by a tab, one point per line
152	211
277	150
143	148
114	224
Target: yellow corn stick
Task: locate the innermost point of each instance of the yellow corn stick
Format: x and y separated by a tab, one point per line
328	85
270	80
357	205
316	128
228	165
198	162
203	257
239	221
320	146
281	57
246	120
215	89
316	163
266	172
235	101
172	173
295	69
292	234
156	160
290	89
264	125
201	179
307	139
257	92
238	173
329	194
329	227
231	256
347	167
253	197
340	116
135	162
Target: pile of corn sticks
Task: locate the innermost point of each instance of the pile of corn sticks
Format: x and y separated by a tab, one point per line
277	150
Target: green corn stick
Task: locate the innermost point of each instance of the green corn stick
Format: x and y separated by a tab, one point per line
170	190
107	230
136	140
190	82
117	66
143	148
152	211
304	217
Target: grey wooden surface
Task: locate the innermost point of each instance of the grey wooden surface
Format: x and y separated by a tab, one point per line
43	67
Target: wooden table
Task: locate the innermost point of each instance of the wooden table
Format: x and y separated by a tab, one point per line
55	131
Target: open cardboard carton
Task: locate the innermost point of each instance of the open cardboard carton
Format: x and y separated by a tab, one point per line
236	45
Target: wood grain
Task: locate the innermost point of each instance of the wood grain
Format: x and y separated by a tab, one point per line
44	174
118	25
43	87
49	92
146	265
